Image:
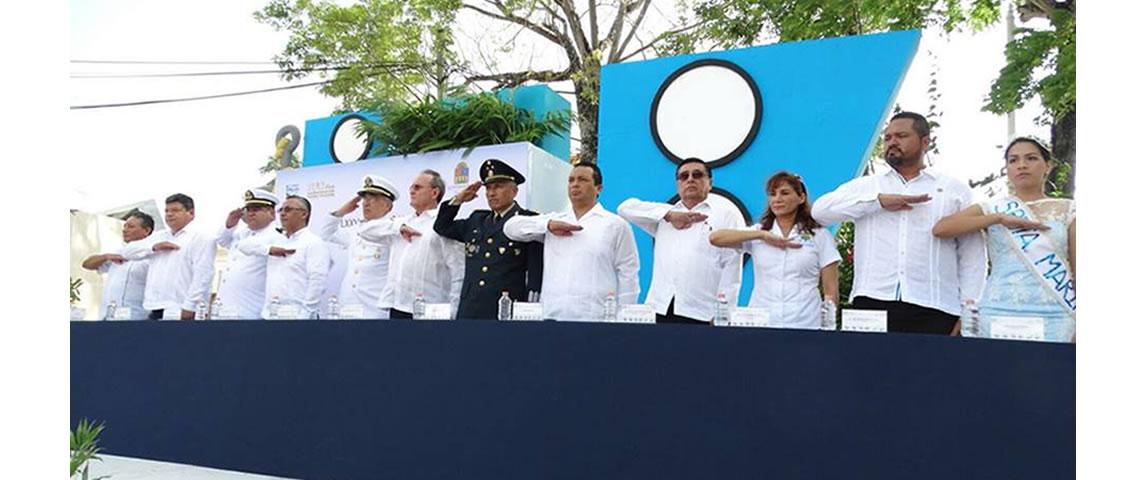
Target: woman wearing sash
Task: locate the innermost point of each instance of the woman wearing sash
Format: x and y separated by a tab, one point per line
791	256
1031	243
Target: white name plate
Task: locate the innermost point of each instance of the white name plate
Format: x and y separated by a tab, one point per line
1018	328
122	313
352	312
638	313
864	320
526	311
437	311
749	317
227	312
288	312
172	314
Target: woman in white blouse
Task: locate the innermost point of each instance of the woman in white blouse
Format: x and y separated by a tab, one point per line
791	255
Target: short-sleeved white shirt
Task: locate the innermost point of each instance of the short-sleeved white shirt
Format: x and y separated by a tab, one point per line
787	280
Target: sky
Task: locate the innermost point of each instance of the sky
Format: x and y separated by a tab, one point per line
212	149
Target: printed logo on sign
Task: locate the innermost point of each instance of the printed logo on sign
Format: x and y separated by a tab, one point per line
292	189
321	189
461	173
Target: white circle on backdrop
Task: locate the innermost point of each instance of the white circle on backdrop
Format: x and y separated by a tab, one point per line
707	112
347	147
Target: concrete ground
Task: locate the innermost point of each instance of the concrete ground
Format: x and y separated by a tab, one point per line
126	468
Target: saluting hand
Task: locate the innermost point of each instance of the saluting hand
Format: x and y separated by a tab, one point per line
562	229
683	220
281	251
233	217
894	202
409	233
348	207
778	241
468	194
165	247
1018	223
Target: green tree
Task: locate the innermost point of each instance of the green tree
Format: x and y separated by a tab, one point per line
1040	62
380	50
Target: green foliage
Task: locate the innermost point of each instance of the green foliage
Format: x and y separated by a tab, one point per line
1031	53
735	23
378	48
845	243
272	164
75	284
84	446
463	122
1058	187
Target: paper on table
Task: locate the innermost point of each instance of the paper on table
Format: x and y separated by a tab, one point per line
639	313
526	311
289	312
437	311
749	317
864	320
1017	328
352	311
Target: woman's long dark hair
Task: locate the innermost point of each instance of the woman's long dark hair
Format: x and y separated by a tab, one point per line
803	211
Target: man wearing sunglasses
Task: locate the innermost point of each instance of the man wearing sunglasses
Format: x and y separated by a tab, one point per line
241	285
688	272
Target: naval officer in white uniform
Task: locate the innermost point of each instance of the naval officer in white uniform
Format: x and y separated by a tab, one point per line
241	288
366	272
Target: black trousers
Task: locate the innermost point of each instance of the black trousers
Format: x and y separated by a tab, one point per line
155	315
671	317
908	317
399	314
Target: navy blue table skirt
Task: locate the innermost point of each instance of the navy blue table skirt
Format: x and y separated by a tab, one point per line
540	400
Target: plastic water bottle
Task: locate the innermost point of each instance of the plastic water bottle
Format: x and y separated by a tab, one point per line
827	315
200	311
969	319
334	308
216	308
111	309
609	308
274	307
418	307
505	306
720	316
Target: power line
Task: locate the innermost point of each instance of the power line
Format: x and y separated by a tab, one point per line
205	97
196	74
394	66
169	62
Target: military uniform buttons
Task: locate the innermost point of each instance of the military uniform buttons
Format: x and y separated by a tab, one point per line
484	269
481	283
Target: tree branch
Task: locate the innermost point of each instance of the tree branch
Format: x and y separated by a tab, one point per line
593	23
507	17
515	79
616	53
579	36
658	38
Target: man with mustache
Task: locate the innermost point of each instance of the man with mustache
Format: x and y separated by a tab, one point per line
900	267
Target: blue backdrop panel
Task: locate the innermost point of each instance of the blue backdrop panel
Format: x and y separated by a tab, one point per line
496	400
823	102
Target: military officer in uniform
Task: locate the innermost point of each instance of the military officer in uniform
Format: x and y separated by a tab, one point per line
494	263
366	272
